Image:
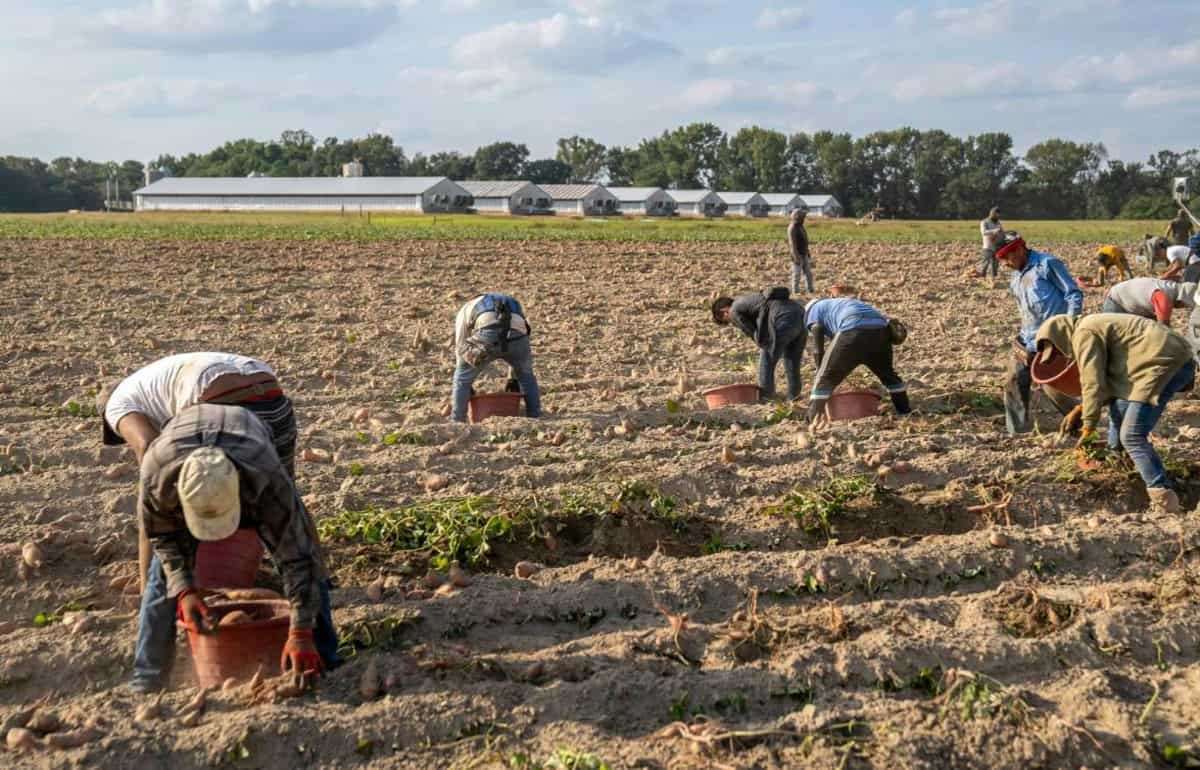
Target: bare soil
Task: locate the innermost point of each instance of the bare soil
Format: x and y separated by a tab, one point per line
725	635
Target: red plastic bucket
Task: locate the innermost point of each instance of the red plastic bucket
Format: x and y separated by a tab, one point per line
486	405
1059	373
238	650
728	395
852	405
229	563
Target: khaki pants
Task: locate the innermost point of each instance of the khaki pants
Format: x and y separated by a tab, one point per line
1017	390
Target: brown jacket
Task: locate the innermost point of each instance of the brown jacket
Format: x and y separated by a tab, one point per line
1119	356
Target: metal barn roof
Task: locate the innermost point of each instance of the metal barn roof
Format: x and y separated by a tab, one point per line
780	199
633	193
737	198
494	189
818	201
570	192
278	185
689	196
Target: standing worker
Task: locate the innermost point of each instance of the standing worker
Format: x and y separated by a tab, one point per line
1133	366
488	328
801	258
776	324
1043	288
1151	298
1179	229
212	470
1111	257
861	336
990	230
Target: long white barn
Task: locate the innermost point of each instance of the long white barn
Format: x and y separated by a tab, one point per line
419	194
500	197
698	203
648	201
582	199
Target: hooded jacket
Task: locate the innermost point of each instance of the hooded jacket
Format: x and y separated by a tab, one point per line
1120	356
766	321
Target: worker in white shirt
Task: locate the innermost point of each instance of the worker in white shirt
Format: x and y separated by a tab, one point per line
990	230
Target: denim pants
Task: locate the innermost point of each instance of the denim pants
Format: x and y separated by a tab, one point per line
1131	422
519	356
1017	391
154	655
789	343
802	269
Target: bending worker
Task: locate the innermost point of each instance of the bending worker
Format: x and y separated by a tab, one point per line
1134	366
488	328
1181	261
1112	257
1043	288
212	470
861	336
801	258
776	324
135	410
1151	298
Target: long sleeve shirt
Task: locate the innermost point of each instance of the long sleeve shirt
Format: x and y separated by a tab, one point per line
1043	288
764	320
798	240
269	501
989	231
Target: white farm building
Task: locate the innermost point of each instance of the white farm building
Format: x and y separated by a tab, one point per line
582	199
822	205
508	197
698	203
783	204
746	204
648	201
418	194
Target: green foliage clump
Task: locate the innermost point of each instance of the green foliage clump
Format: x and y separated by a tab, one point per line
815	509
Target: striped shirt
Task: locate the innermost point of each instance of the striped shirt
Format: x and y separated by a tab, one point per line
270	503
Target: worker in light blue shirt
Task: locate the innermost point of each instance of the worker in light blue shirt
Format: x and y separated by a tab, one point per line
861	336
1043	288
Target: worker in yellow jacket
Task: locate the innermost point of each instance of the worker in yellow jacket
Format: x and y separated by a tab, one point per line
1132	365
1110	257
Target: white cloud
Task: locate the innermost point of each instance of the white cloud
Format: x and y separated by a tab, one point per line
157	97
734	93
203	26
906	18
957	81
989	18
482	84
1151	96
792	17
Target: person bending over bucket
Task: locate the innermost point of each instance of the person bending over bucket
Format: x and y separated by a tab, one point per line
862	336
211	471
1134	366
776	324
1151	298
488	328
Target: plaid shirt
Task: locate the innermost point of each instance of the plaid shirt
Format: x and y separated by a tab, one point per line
270	502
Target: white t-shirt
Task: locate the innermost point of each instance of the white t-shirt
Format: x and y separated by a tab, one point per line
161	389
1181	254
1135	294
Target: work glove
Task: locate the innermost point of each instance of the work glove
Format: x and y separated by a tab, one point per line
1071	422
300	653
193	613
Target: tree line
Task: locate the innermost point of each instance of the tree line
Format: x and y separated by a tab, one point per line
905	172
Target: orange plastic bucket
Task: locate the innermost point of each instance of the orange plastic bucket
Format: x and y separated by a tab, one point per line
229	563
486	405
852	405
238	650
1059	373
728	395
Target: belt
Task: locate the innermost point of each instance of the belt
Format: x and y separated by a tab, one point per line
248	394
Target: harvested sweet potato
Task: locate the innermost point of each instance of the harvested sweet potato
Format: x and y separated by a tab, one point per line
236	617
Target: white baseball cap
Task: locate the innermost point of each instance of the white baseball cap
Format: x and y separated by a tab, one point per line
208	493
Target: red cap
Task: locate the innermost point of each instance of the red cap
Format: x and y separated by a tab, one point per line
1008	246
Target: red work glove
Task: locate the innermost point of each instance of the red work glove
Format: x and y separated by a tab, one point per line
193	613
300	652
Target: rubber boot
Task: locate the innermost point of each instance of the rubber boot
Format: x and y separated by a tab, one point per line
900	401
1163	500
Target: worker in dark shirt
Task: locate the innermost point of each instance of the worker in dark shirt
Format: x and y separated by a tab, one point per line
776	324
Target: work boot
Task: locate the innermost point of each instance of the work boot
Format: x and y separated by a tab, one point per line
900	401
1163	500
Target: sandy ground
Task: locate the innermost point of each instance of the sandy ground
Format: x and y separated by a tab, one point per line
987	605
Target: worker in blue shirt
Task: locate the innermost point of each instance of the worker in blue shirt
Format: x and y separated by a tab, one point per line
861	336
1043	288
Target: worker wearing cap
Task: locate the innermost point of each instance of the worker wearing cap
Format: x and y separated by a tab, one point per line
1179	229
1112	257
1043	288
1134	366
134	410
1150	298
801	258
492	327
1154	249
861	336
776	324
990	230
212	470
1179	259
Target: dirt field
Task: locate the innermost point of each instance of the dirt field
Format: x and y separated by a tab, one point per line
957	599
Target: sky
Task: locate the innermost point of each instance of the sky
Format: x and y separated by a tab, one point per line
132	79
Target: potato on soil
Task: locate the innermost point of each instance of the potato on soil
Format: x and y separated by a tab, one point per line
369	685
236	617
20	739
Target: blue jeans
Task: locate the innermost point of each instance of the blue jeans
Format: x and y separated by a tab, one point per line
789	346
1131	422
519	356
154	655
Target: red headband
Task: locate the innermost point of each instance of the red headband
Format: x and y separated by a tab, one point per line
1000	252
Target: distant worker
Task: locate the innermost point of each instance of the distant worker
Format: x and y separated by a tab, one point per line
492	327
1180	229
1133	366
1151	298
1154	249
1112	257
211	471
801	258
1043	288
990	230
1179	259
776	324
861	336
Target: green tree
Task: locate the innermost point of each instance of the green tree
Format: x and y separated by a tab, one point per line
501	160
754	159
547	171
585	157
